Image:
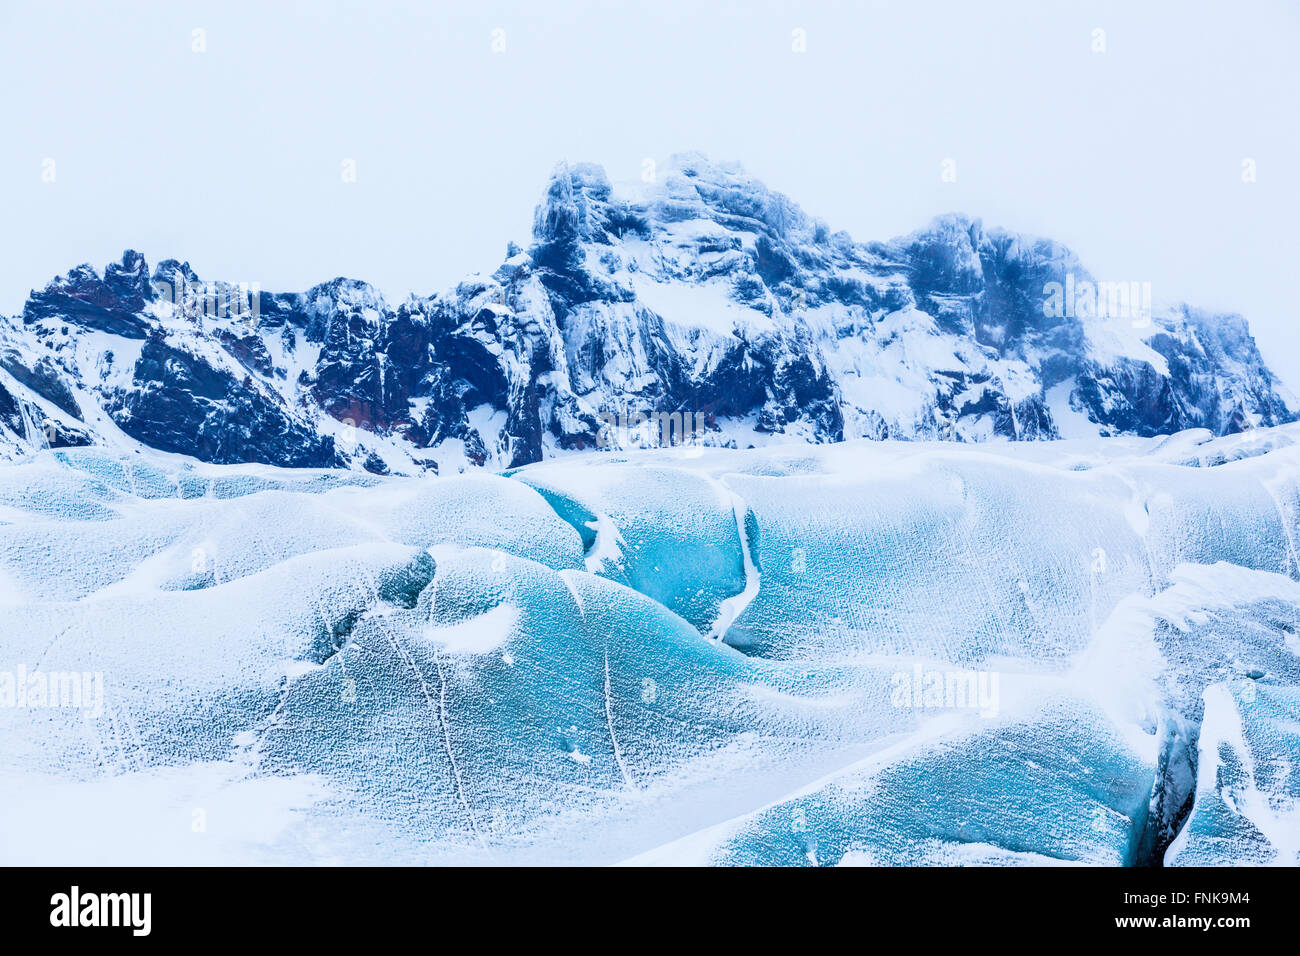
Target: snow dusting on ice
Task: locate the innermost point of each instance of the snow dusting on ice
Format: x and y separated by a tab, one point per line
866	653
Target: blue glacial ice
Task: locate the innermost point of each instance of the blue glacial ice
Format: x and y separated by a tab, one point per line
864	653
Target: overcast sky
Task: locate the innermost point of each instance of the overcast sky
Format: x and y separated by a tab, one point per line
232	157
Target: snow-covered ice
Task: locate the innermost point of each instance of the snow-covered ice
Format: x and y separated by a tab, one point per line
760	656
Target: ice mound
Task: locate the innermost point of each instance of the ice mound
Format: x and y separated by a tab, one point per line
866	653
674	535
1247	808
1060	786
184	672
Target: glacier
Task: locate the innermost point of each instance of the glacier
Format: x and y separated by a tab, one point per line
693	532
867	652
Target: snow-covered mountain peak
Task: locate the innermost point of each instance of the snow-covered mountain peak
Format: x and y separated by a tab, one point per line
694	290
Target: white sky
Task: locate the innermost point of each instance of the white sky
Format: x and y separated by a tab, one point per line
231	158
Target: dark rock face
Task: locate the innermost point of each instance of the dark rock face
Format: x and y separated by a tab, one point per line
705	293
181	403
24	422
83	299
44	379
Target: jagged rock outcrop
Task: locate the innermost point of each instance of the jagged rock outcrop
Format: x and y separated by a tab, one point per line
704	293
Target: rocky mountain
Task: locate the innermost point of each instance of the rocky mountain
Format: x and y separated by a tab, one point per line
703	295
